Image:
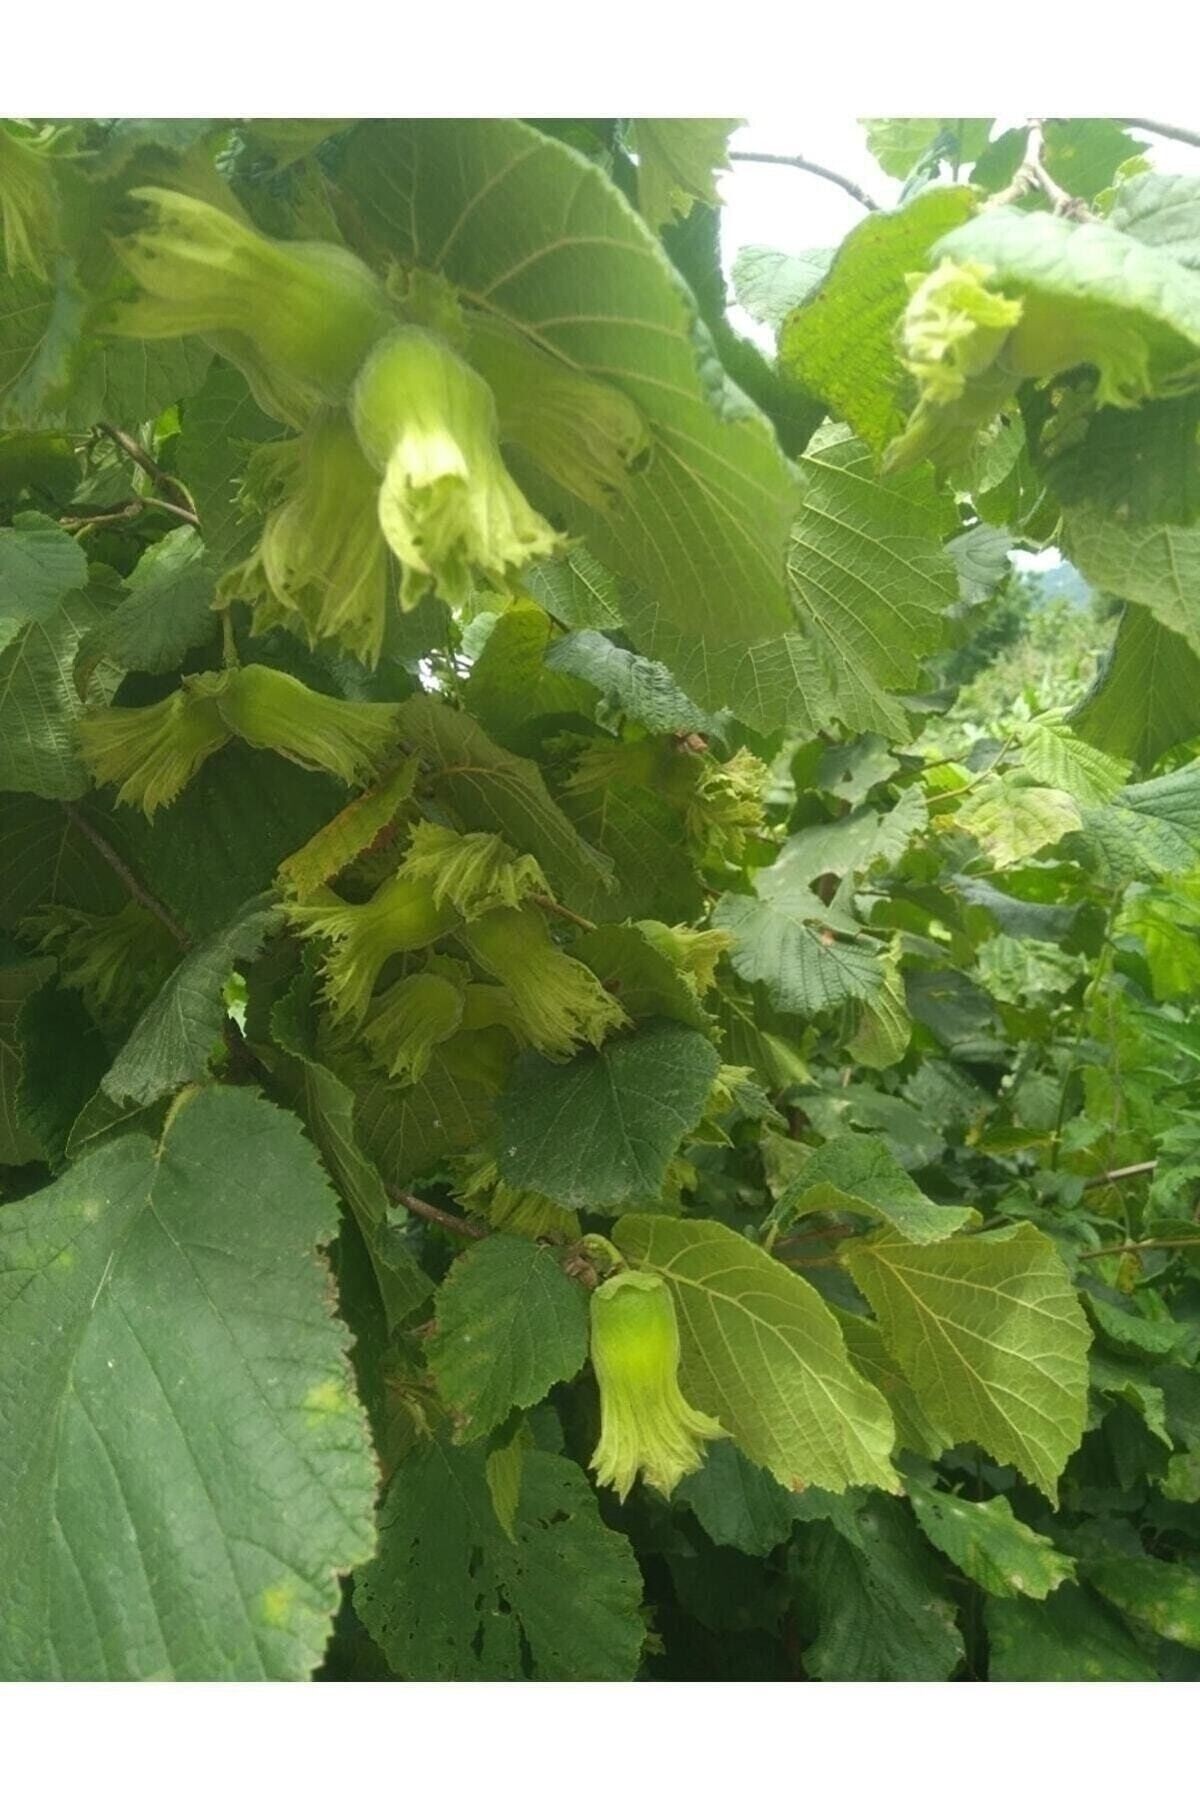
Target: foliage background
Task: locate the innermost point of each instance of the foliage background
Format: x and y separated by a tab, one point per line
941	994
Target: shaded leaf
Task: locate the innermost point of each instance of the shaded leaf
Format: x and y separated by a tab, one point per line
991	1546
190	1468
877	1602
510	1324
451	1597
173	1040
1069	1636
597	1133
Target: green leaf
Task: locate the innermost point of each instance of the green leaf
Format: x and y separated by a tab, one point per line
762	1352
858	1174
868	1353
596	1134
1138	466
871	579
62	1057
768	284
1084	155
48	860
190	1467
1069	1636
132	381
39	566
991	1546
677	160
580	592
327	1106
758	1038
852	844
167	612
1057	758
1011	820
739	1504
644	839
514	687
527	228
219	426
841	341
39	344
450	1597
644	691
406	1131
1162	210
510	1324
780	942
492	790
224	837
1155	566
877	1601
19	979
898	145
1161	1595
992	1337
38	703
1146	697
1151	828
173	1040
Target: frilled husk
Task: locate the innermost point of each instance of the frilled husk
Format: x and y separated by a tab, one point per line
297	318
270	710
401	915
406	1024
154	751
321	568
695	953
447	505
476	871
558	1002
646	1425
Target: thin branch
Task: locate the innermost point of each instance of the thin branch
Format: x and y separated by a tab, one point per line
1129	1173
433	1215
810	168
1033	173
141	894
1178	132
156	473
1136	1249
564	912
132	509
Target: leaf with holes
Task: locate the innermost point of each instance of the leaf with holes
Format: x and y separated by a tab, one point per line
187	1467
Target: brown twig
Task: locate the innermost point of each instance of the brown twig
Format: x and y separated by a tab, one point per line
1033	173
564	912
157	475
433	1215
810	168
141	894
132	509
